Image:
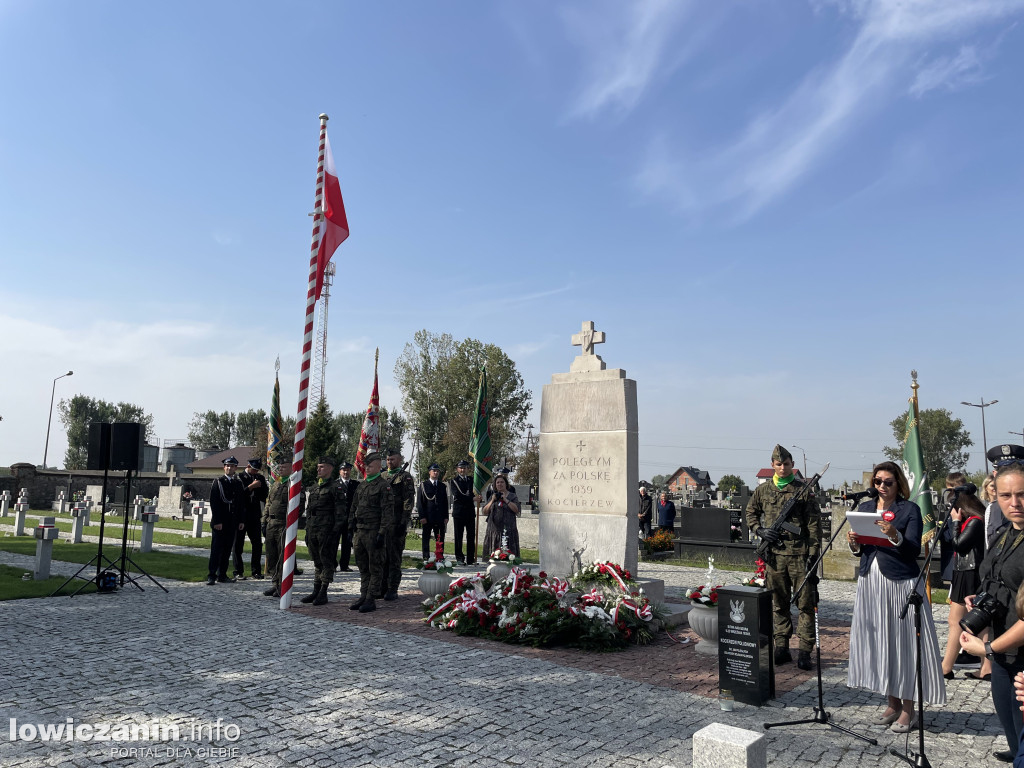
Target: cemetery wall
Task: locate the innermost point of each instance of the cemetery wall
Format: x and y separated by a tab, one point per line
43	485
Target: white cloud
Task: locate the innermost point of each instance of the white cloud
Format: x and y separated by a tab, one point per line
780	146
626	46
951	73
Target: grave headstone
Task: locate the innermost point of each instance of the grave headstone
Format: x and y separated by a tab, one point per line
588	464
169	501
20	511
60	503
78	515
46	533
94	493
5	502
138	507
149	521
88	509
198	513
745	666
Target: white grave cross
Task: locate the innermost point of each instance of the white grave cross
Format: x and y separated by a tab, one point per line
586	339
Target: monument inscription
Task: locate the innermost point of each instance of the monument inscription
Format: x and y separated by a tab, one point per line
584	478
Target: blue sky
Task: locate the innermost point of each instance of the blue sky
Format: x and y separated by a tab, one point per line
774	210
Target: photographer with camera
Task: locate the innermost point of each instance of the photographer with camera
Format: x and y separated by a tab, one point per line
882	644
1001	575
967	541
501	510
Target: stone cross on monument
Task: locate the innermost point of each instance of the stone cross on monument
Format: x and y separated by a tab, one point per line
588	359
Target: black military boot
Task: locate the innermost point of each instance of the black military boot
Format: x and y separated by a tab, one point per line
368	605
357	604
782	654
392	595
272	592
321	596
803	660
312	595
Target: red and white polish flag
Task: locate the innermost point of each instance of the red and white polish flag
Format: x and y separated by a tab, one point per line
334	222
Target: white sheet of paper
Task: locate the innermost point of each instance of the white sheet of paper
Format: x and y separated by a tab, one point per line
863	524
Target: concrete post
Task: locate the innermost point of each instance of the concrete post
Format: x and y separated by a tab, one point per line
198	513
78	513
46	533
88	510
138	508
149	521
725	746
5	503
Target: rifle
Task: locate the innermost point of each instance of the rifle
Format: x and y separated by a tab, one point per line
782	521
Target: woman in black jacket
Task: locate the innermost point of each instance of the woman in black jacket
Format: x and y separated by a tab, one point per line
968	527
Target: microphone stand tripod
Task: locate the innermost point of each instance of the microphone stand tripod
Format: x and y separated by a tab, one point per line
821	716
916	599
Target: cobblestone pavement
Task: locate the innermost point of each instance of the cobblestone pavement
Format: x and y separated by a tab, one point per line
327	686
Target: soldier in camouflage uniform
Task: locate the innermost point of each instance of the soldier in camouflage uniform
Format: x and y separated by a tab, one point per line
403	496
370	521
789	555
275	518
326	512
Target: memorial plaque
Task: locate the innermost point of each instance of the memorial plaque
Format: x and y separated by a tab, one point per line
745	665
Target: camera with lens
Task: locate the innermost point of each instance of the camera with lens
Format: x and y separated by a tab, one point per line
497	495
986	610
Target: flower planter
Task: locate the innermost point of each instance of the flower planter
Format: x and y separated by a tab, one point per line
704	621
498	571
434	583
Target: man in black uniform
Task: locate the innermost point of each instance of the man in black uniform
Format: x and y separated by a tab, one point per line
464	513
326	513
256	490
403	494
349	485
645	512
432	508
226	502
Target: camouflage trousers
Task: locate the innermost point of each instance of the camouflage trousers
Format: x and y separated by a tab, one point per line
393	563
370	562
275	550
322	545
784	578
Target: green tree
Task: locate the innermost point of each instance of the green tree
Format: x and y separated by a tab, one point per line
527	470
438	378
211	430
80	411
659	481
321	440
730	483
943	442
249	425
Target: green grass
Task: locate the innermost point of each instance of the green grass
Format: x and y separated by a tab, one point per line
166	565
14	587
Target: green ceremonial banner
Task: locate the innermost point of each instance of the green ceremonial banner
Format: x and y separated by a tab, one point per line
480	442
917	478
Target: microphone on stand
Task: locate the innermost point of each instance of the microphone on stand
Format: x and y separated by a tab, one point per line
870	493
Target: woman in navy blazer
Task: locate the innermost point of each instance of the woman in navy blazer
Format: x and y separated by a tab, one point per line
882	653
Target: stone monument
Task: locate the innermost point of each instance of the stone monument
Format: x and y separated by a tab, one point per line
588	464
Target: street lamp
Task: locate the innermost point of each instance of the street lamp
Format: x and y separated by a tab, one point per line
984	441
805	458
52	392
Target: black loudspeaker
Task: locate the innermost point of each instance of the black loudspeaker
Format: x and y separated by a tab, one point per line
115	446
99	446
126	446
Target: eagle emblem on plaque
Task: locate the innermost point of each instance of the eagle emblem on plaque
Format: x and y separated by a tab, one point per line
736	614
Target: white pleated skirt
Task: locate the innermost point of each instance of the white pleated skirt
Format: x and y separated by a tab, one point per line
882	646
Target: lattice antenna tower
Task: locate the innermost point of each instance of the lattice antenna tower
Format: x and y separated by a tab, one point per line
318	380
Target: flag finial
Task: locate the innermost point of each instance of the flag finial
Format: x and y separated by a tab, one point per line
277	364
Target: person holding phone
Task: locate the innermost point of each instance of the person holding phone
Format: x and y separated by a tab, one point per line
502	509
882	645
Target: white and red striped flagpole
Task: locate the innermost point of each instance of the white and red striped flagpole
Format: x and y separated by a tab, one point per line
295	482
